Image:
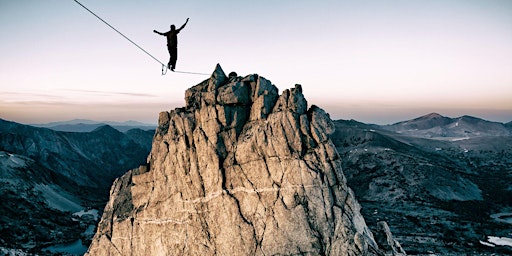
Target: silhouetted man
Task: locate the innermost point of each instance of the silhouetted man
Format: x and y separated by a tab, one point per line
172	44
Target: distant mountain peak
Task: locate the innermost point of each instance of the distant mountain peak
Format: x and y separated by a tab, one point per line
434	115
434	125
431	116
470	118
106	129
91	122
422	123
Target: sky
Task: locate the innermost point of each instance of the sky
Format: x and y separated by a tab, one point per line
374	61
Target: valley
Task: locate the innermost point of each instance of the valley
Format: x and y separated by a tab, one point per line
437	193
53	184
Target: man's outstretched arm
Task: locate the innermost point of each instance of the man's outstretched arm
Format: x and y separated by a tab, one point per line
158	32
183	25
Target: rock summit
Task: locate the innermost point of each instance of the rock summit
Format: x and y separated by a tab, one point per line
240	170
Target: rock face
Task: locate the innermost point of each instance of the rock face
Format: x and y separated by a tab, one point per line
241	170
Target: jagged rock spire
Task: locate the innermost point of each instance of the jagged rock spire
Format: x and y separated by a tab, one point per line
240	170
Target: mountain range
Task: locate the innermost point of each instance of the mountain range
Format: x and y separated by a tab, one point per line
85	125
436	126
439	182
442	184
48	175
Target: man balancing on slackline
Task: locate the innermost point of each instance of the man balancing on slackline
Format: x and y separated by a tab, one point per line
172	44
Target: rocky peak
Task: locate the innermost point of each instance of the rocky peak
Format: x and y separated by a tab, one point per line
240	170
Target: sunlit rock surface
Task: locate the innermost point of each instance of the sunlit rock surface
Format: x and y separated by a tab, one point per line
240	170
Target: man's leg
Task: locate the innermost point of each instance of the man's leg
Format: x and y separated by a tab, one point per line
174	58
170	57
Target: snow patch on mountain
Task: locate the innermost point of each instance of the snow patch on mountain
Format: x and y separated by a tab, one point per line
492	241
500	240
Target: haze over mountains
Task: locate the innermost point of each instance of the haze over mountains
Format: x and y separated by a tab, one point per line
432	125
85	125
436	180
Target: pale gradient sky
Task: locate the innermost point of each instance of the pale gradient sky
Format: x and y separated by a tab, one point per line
373	61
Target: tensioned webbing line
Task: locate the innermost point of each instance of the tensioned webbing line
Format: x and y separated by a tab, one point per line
164	67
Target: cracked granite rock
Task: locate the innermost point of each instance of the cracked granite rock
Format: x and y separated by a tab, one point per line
241	170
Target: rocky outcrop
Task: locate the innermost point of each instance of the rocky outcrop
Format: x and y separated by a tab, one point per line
385	239
241	170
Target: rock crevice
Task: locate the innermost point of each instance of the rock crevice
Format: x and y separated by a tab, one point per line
240	170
